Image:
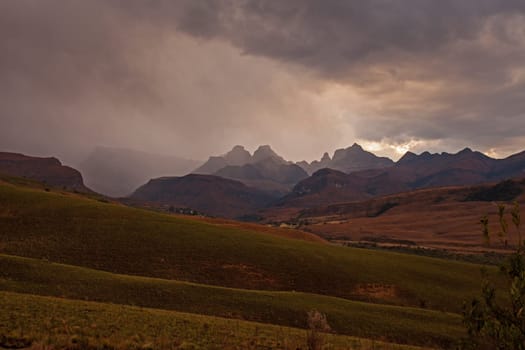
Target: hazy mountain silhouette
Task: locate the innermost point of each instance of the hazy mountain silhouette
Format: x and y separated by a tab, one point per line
118	172
237	156
264	153
265	169
351	159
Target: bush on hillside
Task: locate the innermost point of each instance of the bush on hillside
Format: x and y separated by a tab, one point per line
492	323
317	325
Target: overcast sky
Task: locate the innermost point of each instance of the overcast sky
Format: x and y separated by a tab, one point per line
193	78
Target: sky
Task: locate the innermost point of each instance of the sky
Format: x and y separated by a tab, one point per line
194	78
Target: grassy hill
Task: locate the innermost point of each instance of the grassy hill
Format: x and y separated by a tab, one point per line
59	244
37	321
70	229
392	323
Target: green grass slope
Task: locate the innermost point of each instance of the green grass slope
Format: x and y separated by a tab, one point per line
79	231
52	323
393	323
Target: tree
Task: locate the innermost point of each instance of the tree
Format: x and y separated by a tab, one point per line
499	323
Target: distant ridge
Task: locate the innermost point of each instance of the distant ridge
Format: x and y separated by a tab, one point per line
351	159
49	171
208	194
411	172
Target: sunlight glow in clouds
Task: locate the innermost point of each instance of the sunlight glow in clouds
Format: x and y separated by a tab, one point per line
395	150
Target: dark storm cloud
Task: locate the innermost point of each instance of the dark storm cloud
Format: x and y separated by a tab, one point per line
332	35
78	73
56	42
471	52
61	62
154	74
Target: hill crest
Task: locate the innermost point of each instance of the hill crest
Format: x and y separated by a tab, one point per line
50	171
209	194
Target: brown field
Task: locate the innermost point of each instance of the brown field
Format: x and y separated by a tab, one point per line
430	218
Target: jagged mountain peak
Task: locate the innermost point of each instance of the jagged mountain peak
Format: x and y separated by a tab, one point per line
264	148
407	157
264	152
352	158
352	150
237	156
238	148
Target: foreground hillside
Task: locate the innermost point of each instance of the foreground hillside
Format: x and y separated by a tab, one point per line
44	323
393	323
83	248
79	231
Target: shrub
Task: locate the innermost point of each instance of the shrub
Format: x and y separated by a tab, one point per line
317	325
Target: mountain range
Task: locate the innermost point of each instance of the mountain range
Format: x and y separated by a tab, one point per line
411	172
347	160
264	170
239	183
268	171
